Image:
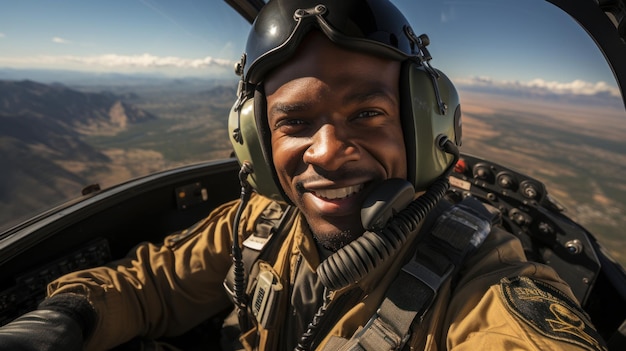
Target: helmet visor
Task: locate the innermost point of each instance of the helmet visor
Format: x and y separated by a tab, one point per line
372	26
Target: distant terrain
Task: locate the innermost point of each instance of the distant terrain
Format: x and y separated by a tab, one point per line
43	151
578	151
56	139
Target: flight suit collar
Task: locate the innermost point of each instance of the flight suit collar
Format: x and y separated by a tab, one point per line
306	244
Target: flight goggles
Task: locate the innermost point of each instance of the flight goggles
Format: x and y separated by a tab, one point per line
372	26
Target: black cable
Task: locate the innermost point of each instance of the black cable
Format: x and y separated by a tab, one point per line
238	267
307	337
446	145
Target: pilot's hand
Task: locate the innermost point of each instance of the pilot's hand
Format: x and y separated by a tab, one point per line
42	330
55	326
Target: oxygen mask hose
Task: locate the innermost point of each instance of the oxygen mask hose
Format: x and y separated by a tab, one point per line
238	268
352	262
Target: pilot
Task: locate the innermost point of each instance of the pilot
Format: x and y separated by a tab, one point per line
343	238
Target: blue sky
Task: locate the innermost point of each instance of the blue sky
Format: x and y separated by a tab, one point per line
527	42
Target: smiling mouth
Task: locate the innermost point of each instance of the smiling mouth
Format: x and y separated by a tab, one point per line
336	194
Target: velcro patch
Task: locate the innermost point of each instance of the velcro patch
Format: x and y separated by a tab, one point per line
550	312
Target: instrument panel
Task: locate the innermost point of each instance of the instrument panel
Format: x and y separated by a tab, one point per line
529	212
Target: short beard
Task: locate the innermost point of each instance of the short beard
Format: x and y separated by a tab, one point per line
334	241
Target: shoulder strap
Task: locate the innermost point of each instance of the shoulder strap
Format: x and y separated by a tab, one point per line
455	234
274	218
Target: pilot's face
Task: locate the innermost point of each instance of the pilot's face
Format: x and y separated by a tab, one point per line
334	117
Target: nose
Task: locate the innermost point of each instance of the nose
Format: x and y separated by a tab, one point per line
330	148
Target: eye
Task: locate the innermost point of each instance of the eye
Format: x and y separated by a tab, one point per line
368	116
368	113
290	125
288	122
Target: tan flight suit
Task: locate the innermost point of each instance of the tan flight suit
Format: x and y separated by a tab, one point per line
166	290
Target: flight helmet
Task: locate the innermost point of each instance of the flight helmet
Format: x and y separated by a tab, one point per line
430	108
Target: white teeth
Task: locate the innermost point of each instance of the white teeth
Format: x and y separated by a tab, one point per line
332	194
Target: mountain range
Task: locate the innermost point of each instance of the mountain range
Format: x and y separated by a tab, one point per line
41	131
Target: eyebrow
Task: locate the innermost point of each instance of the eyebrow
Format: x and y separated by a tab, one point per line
280	107
364	94
368	94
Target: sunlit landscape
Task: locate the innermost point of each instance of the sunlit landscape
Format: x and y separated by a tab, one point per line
577	150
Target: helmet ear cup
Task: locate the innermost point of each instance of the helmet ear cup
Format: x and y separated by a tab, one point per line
423	123
250	139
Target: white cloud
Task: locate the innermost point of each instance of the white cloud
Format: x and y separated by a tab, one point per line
114	62
541	86
2	35
577	87
59	40
145	61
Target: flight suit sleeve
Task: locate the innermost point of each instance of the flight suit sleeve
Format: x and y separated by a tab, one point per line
504	302
160	290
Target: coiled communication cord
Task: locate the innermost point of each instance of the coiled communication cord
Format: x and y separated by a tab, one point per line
352	262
